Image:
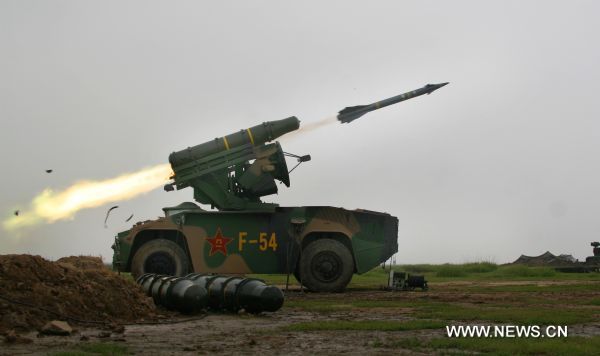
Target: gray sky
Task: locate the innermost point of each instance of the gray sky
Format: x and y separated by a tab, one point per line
502	161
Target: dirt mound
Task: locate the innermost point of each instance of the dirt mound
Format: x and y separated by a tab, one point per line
83	262
60	290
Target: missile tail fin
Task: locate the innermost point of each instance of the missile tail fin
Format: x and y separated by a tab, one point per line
351	113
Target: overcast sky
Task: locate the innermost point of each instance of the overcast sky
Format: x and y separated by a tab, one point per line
501	162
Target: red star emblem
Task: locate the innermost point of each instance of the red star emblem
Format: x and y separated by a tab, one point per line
218	243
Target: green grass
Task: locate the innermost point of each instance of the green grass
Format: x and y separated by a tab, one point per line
524	271
318	306
533	313
380	325
529	315
528	301
474	271
483	272
416	269
274	278
532	288
96	348
451	271
328	306
389	303
462	270
520	346
554	299
480	267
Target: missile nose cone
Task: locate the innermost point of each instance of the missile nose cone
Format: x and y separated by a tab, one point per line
433	87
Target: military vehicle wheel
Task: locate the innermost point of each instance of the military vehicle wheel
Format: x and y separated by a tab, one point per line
326	265
160	256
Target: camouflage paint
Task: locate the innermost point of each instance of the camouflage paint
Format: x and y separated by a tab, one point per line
247	235
240	242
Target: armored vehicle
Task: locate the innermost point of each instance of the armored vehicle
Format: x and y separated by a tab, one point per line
322	246
591	264
595	259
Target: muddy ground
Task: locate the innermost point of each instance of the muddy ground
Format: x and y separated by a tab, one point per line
249	334
33	290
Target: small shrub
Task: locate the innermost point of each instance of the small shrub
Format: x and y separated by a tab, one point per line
525	271
449	270
422	268
480	267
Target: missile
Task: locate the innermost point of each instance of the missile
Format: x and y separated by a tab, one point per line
352	113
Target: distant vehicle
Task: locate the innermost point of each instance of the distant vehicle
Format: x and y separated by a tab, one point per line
591	264
595	259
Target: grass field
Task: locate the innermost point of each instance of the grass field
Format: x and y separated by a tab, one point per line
477	271
466	294
368	320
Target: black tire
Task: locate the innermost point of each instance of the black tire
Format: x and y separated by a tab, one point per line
160	256
326	265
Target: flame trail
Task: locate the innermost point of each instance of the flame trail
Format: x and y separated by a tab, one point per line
50	206
310	126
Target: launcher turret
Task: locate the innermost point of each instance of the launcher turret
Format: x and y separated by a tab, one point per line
233	172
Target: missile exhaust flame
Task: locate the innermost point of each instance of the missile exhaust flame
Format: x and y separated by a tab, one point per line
50	206
310	126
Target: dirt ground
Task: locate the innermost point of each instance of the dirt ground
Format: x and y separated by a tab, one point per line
34	291
214	333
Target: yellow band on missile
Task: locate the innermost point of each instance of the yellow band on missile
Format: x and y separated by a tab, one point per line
225	142
250	136
377	105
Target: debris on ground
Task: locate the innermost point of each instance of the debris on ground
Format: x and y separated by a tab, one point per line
11	337
79	290
108	213
83	262
57	327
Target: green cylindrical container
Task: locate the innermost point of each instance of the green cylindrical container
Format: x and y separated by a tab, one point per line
187	297
254	296
256	135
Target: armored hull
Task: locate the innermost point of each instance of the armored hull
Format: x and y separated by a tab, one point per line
322	246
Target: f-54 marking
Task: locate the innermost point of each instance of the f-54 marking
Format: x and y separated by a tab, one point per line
264	241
